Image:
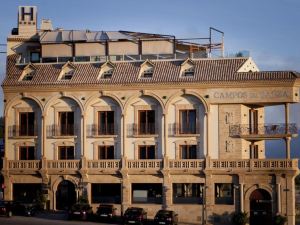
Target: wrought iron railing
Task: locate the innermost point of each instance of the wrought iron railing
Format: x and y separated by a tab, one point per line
97	130
182	129
263	129
141	129
23	131
57	130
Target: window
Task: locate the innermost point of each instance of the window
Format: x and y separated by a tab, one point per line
148	73
147	69
253	151
106	152
188	151
187	121
65	152
28	76
107	74
34	57
147	193
106	123
253	121
27	153
189	72
106	193
147	152
66	120
188	193
224	194
68	75
146	122
26	121
106	70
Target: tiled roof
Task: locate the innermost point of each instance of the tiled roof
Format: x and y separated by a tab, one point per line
165	72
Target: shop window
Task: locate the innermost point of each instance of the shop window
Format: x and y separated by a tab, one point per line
147	193
188	193
224	193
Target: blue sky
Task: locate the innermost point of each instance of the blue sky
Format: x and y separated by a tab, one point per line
269	29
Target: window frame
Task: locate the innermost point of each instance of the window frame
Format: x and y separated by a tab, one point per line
227	200
106	149
27	148
147	154
66	155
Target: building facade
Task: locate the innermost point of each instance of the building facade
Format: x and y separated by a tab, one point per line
137	119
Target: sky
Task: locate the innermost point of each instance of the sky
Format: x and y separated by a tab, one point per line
268	29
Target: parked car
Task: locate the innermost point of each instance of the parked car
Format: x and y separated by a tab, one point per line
5	208
135	215
166	217
24	209
106	212
81	211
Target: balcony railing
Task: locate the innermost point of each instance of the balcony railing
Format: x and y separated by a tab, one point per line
98	130
21	131
104	164
141	129
24	164
183	164
57	130
183	129
64	164
155	164
152	165
263	130
254	164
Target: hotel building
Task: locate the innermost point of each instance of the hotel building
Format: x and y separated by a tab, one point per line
148	120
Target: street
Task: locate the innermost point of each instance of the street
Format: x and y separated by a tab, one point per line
57	219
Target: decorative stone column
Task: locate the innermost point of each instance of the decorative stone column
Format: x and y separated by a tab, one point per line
167	184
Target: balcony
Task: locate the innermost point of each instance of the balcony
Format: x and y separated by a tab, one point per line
142	129
95	130
21	165
56	131
22	132
177	129
104	166
142	165
254	164
63	165
263	131
187	164
151	166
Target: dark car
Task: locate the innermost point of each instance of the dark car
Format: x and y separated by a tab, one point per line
135	215
80	211
5	208
24	209
166	217
106	212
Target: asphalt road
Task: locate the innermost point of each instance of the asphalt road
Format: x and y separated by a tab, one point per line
57	220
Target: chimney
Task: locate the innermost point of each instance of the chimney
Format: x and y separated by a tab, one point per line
27	21
46	25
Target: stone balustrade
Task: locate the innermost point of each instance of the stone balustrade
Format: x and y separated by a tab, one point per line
152	164
187	164
156	164
104	164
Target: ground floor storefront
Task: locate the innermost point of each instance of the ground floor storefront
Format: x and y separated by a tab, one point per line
209	197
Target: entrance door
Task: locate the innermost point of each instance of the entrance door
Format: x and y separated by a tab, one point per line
65	195
253	121
260	207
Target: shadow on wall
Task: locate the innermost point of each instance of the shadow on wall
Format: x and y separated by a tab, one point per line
220	219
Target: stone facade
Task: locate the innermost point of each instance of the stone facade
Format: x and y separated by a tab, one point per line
192	146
